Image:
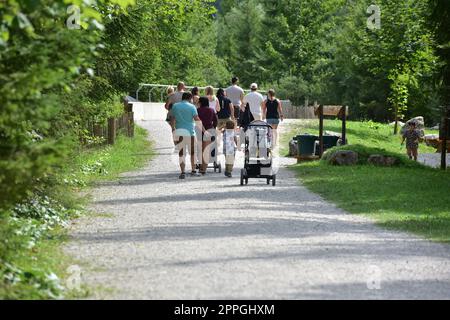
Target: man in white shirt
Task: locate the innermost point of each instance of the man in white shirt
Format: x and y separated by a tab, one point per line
255	101
236	95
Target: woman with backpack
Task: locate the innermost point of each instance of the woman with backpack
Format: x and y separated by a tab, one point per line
273	112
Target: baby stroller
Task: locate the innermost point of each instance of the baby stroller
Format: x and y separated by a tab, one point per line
213	159
258	153
216	165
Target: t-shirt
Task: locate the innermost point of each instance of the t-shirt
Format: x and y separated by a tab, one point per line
254	99
234	94
213	104
224	112
229	145
208	117
175	97
412	138
184	113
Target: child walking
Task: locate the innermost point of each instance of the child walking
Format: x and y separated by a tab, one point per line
412	137
230	143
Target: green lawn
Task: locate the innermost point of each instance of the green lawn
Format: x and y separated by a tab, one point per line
412	198
367	133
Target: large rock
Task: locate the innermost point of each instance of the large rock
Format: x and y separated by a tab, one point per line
293	148
420	125
381	160
344	158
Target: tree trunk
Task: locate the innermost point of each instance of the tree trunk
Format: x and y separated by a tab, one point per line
396	121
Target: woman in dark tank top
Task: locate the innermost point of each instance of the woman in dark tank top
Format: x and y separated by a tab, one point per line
272	110
272	113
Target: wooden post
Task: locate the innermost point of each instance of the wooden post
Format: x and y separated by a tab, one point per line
444	137
97	128
320	131
111	130
130	125
344	125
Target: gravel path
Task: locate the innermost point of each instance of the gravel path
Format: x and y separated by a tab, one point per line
432	159
209	238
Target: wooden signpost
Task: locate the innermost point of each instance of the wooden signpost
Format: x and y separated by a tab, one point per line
337	111
444	136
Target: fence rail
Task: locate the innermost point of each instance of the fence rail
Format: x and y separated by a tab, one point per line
109	131
295	112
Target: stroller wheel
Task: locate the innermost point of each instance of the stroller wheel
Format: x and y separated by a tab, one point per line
242	177
274	180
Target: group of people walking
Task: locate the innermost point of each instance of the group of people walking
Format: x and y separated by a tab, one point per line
216	119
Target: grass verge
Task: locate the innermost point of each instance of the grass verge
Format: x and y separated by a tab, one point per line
32	263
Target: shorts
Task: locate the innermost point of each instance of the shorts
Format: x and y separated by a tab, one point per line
211	137
181	142
273	121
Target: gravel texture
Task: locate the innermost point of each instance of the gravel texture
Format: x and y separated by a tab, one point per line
432	159
210	238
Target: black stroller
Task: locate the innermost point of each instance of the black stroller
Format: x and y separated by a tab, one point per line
214	162
258	153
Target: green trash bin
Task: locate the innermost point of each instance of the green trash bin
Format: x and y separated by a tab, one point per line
328	143
306	144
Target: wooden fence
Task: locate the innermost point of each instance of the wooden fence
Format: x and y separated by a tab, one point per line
295	112
114	126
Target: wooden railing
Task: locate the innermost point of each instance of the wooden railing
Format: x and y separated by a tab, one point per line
114	126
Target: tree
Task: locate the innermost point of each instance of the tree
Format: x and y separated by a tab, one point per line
39	56
440	21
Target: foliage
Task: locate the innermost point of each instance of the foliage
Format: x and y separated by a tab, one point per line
31	266
440	22
39	57
163	42
324	51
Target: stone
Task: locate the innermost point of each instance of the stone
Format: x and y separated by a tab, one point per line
344	158
293	148
381	160
420	125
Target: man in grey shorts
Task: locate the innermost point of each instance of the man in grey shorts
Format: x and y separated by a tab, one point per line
236	95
